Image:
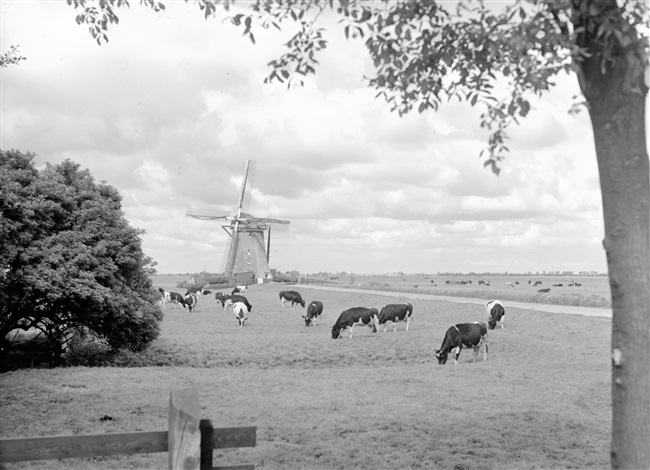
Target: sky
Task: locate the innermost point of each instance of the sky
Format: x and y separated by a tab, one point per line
170	110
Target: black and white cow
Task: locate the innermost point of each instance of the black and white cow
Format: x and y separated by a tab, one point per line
468	335
193	289
192	301
394	313
238	289
177	298
164	297
291	296
196	292
495	312
240	310
356	316
228	300
314	310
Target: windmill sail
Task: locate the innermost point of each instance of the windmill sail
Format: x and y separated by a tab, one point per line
247	251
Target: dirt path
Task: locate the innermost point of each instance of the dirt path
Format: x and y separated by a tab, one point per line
568	309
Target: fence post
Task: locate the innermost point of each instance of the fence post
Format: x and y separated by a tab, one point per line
207	443
184	434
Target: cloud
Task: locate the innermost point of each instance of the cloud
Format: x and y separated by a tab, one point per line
172	108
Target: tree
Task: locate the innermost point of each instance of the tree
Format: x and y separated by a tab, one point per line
69	261
424	54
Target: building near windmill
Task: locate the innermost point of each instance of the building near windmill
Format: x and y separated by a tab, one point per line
247	251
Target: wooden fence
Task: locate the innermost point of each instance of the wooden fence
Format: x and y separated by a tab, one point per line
189	440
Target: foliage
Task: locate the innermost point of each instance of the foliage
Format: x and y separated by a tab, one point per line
207	280
280	277
218	279
425	53
11	57
69	260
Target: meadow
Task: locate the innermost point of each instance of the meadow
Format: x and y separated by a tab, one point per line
593	291
541	400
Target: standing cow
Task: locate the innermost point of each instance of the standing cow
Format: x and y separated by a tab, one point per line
238	289
164	297
231	299
192	301
469	335
314	310
394	313
291	296
177	298
495	312
240	310
356	316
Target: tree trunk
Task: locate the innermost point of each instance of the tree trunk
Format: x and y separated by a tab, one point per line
616	97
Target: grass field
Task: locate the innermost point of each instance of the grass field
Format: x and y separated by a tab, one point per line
541	400
593	291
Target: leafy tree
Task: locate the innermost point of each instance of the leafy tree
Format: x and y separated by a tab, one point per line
424	54
69	260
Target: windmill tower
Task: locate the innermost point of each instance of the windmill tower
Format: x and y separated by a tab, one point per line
247	251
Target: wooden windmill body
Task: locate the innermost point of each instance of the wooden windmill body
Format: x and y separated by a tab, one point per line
247	251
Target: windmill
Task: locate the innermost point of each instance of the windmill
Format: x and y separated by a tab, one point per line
246	251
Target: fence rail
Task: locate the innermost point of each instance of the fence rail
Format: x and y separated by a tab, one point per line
193	440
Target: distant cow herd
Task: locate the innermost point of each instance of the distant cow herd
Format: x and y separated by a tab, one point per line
461	335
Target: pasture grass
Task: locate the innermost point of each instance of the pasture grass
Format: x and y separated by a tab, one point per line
541	400
593	292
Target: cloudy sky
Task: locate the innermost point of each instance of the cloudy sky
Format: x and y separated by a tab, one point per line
170	110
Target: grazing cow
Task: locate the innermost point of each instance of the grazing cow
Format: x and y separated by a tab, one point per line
469	335
495	313
537	283
197	292
192	301
227	300
355	316
510	284
238	289
394	313
291	296
164	297
240	310
195	289
314	311
548	289
557	285
177	298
